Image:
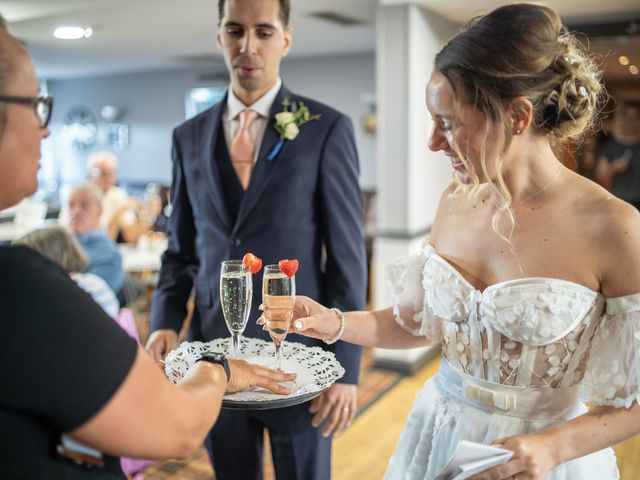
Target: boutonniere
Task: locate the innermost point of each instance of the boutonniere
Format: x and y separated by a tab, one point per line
288	122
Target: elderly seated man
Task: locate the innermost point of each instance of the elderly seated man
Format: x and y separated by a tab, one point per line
124	218
85	208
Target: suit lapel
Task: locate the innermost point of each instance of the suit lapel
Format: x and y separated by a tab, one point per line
207	138
264	168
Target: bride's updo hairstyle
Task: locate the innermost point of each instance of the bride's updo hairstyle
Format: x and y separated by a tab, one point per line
522	50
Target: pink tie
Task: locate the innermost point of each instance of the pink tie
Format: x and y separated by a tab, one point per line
243	148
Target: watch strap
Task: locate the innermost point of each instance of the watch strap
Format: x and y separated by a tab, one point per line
217	358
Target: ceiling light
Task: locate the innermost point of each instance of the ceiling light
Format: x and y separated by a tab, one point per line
623	60
72	32
633	69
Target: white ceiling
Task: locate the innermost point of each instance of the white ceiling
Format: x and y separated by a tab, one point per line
133	35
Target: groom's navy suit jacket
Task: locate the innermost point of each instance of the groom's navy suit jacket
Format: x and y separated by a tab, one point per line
305	203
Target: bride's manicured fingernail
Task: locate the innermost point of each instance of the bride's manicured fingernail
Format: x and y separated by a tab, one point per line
297	324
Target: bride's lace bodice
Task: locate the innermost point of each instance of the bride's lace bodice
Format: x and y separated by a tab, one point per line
530	332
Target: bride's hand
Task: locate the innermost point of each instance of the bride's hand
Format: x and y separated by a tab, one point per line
314	320
311	319
533	458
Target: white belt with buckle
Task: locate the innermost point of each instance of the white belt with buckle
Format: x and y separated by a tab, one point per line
523	402
501	400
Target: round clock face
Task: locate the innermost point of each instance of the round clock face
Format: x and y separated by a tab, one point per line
80	127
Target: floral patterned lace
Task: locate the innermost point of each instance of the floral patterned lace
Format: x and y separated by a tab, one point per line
316	369
530	332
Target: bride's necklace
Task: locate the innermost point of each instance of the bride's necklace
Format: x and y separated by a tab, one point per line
541	189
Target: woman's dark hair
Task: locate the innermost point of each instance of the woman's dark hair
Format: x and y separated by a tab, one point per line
522	50
285	11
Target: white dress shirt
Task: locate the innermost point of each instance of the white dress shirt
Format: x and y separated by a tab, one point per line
262	107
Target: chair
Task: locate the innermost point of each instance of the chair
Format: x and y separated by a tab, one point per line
133	467
128	323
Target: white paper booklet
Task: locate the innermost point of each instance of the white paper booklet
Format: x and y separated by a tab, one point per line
471	458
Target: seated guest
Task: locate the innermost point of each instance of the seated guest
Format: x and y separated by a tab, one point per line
156	207
124	218
62	248
618	167
84	219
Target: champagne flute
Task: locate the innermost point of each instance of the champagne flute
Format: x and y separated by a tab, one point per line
236	289
278	297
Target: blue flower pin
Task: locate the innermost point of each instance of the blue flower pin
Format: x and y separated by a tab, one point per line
275	150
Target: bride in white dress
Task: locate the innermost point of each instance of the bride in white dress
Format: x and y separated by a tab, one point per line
530	279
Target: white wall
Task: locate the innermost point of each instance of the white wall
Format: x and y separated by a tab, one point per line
339	82
411	177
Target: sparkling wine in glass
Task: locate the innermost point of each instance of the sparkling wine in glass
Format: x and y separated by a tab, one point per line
278	297
236	288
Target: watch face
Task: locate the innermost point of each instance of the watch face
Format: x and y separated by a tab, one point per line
213	356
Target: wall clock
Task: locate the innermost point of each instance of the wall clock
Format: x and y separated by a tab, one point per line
80	127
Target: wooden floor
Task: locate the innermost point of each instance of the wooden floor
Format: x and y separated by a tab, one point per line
362	451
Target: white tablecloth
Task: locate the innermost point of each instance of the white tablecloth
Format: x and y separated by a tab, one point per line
144	257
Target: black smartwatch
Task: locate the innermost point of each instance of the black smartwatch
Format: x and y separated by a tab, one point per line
219	358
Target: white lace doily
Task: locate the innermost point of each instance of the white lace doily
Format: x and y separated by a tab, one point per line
316	368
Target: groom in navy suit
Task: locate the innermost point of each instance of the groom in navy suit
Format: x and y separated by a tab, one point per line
241	186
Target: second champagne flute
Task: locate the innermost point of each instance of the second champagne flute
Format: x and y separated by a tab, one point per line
236	289
278	297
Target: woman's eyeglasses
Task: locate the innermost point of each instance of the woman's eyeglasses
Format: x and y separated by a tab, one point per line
41	105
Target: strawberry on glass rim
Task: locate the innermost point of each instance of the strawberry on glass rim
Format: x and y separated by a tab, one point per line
252	263
288	267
